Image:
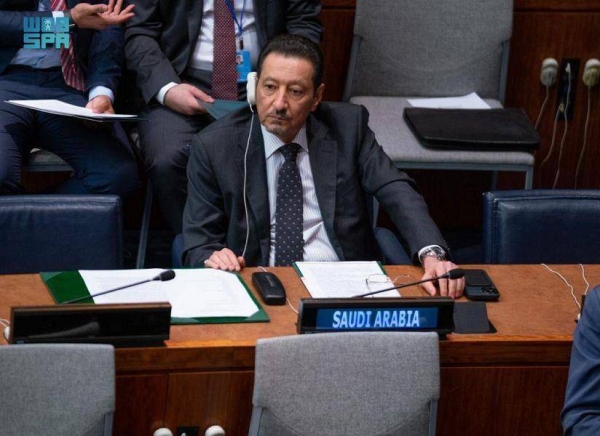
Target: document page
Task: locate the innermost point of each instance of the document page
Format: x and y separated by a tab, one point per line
470	101
344	279
58	107
193	293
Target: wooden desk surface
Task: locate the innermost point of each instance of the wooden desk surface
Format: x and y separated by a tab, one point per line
534	318
511	382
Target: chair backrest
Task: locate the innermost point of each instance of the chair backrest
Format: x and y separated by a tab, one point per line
346	384
60	232
430	47
535	226
57	389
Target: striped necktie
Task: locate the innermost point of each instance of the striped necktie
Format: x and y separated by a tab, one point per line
71	72
224	77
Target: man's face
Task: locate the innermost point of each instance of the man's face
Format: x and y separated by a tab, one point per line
285	95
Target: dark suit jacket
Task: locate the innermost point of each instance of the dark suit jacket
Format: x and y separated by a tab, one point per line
581	413
99	53
161	37
346	162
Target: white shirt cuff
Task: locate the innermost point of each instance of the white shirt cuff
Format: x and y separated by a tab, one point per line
101	90
58	14
160	96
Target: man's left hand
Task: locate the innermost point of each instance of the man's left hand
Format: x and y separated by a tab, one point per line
101	104
433	268
88	16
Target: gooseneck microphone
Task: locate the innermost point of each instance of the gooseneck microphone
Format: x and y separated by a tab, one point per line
455	273
162	277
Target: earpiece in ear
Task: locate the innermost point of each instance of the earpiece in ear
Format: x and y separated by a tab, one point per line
251	88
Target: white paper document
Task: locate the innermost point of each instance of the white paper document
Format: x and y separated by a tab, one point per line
58	107
470	101
343	279
193	293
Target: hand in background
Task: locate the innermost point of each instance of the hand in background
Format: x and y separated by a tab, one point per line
183	98
433	268
101	104
89	16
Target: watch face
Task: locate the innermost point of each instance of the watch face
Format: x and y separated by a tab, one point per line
436	252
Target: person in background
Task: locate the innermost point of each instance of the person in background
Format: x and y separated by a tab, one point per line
85	73
581	413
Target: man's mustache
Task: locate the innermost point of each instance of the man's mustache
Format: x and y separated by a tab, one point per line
282	113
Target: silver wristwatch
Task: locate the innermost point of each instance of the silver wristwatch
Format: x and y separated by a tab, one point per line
434	251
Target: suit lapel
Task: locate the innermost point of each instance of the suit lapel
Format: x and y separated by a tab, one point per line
323	162
195	8
256	186
260	14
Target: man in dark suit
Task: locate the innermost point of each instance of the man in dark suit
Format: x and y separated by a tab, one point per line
169	46
581	413
101	162
288	183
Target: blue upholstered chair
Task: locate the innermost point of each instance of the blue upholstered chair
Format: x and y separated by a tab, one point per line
60	232
550	226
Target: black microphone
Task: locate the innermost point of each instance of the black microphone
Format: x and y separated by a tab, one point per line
455	273
162	277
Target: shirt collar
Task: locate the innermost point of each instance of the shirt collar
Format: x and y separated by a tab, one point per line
273	143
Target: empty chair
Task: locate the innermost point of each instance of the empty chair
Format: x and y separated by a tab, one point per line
404	49
550	226
57	389
60	232
346	384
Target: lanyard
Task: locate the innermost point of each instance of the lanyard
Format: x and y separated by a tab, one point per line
230	6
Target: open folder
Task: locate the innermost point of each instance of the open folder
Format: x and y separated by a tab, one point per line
197	296
58	107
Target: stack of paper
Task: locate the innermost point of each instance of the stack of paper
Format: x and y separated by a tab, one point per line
193	293
343	279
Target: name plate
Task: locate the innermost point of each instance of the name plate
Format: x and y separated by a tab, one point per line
321	315
122	325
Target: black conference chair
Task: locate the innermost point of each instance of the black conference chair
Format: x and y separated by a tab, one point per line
550	226
60	232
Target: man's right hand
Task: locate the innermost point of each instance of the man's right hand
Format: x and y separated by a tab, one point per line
183	98
226	260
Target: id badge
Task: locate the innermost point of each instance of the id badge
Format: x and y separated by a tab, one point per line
243	65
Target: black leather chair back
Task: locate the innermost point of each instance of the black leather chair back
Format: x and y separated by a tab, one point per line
535	226
60	232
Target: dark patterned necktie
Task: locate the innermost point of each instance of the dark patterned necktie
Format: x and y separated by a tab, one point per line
71	72
288	212
224	77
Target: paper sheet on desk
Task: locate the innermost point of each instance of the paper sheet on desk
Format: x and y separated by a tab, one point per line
470	101
342	279
193	293
58	107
